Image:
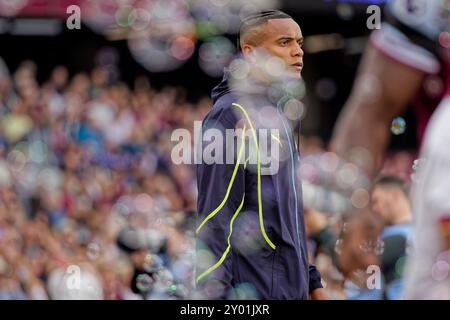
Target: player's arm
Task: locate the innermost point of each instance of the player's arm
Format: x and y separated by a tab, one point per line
382	90
221	188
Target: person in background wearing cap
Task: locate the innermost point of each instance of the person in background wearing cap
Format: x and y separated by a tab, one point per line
250	228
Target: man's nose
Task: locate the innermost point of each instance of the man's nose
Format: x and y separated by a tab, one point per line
297	51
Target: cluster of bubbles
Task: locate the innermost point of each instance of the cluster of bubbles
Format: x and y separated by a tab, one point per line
162	35
160	277
169	39
162	282
242	75
140	205
331	184
246	239
225	15
140	216
263	65
242	82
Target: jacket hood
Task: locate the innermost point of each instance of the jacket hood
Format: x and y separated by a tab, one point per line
222	88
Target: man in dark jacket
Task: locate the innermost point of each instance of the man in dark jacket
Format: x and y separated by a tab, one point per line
250	228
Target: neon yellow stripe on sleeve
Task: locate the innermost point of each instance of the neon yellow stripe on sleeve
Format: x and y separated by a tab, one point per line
261	220
224	255
230	185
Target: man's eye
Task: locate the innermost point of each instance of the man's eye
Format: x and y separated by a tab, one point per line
285	42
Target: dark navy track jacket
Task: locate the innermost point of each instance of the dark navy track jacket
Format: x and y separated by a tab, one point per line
253	235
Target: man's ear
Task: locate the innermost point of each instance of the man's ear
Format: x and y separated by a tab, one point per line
247	49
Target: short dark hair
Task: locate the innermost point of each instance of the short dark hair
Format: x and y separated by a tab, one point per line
258	18
388	181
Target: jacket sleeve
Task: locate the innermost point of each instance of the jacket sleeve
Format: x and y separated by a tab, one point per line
221	188
315	279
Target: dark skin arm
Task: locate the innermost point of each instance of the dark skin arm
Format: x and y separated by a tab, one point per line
383	88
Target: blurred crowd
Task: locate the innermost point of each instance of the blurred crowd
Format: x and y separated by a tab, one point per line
327	221
91	205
